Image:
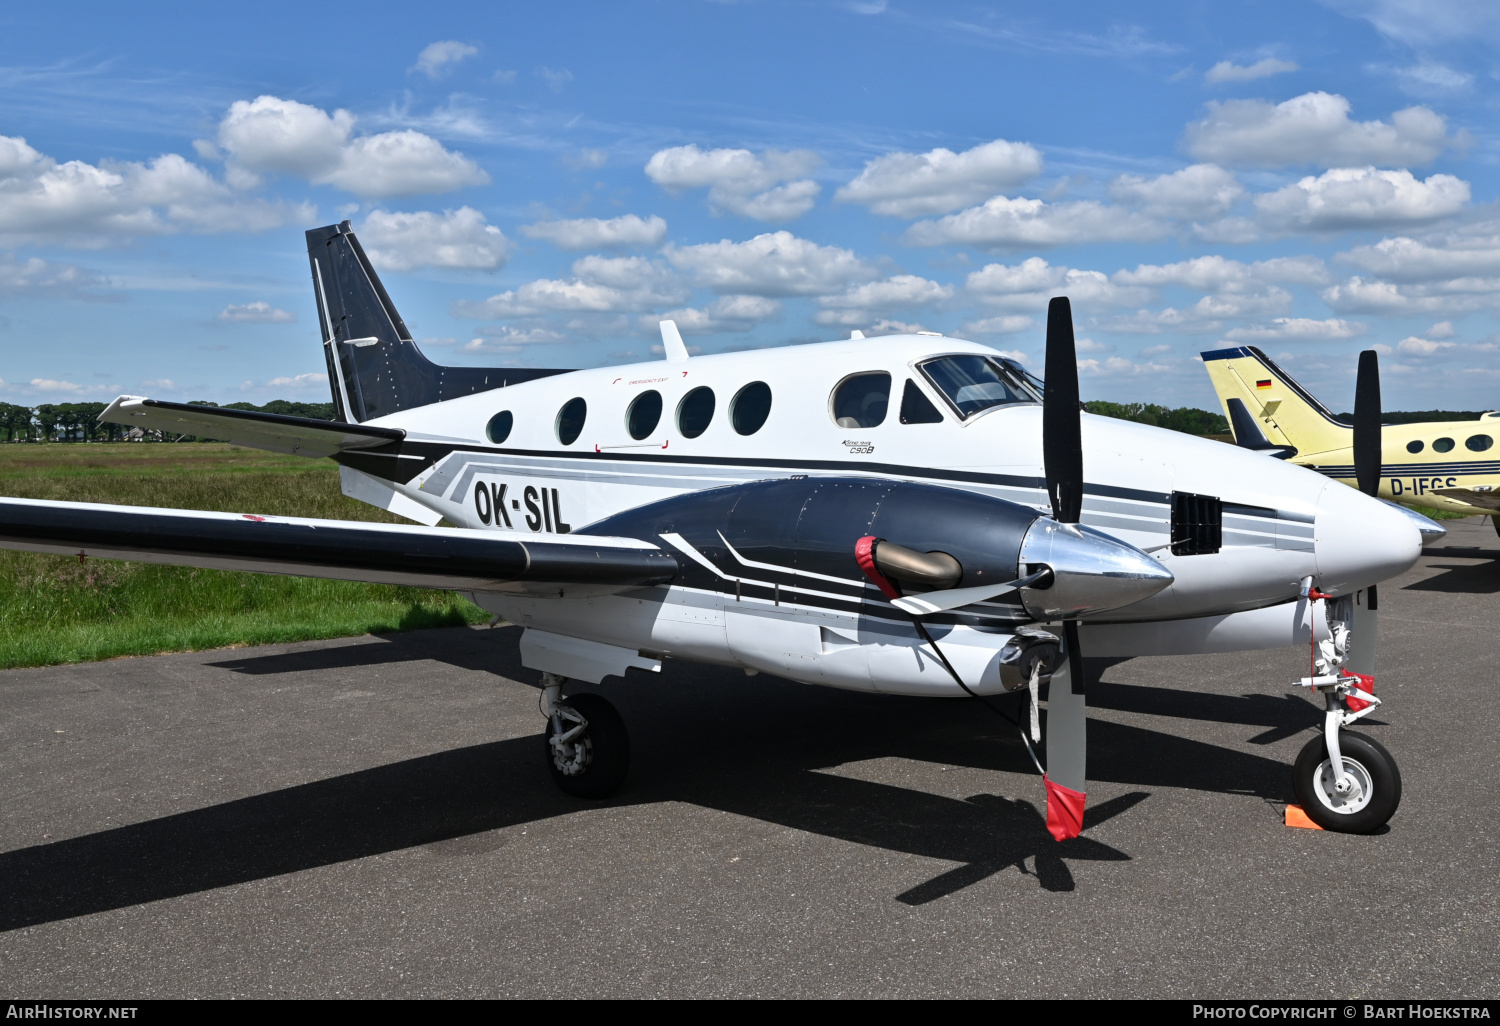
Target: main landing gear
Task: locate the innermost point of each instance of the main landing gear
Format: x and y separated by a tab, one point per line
587	746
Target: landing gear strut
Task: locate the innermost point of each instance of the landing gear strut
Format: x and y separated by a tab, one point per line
587	746
1344	781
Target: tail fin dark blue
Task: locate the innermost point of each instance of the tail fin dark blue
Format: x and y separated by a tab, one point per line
374	367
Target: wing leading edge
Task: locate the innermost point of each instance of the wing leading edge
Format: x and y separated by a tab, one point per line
426	557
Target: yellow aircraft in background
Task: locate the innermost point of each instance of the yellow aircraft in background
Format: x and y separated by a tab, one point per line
1448	465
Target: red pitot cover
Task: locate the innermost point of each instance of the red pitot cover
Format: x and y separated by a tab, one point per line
1064	811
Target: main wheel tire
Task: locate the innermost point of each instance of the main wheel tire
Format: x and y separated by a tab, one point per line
593	764
1369	763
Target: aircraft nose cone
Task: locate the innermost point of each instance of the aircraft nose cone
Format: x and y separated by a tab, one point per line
1361	541
1091	572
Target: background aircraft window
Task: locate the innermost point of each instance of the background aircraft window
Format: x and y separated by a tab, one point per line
1443	445
916	408
1478	443
861	401
1415	446
644	414
695	411
971	383
570	420
498	429
750	407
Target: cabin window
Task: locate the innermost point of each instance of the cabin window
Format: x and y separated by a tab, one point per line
916	408
1443	445
570	420
860	400
1197	524
973	383
750	407
498	429
1417	446
695	412
644	414
1478	443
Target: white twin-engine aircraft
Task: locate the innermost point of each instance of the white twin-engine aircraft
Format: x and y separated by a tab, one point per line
909	515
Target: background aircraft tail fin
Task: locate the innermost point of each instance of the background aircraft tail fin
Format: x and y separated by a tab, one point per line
374	366
1268	410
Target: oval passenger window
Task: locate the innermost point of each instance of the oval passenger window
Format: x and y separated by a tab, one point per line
860	401
644	414
498	429
1414	446
570	420
695	411
1443	445
1478	443
750	407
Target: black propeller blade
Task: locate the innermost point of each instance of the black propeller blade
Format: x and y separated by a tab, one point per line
1062	434
1367	441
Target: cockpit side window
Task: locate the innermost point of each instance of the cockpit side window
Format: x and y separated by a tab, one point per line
916	408
975	383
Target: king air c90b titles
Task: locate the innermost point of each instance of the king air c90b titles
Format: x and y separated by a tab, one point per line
909	515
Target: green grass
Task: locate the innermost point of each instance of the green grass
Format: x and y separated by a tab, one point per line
55	610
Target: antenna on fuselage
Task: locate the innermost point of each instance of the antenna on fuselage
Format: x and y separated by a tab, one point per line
671	342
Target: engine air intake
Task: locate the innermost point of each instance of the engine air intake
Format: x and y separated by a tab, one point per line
1197	524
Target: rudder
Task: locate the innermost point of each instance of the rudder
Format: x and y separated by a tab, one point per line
1267	409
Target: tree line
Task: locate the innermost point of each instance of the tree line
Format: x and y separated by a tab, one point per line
79	422
1183	418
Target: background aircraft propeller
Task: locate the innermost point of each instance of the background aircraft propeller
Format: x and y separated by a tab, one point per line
1368	444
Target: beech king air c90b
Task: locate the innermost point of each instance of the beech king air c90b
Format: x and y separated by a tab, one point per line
909	515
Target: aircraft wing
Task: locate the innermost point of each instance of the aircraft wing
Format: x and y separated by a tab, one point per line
1484	500
426	557
298	436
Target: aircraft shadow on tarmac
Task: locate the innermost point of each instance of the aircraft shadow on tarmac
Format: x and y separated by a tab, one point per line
1463	578
770	751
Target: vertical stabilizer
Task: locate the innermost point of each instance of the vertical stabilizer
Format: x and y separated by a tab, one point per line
1267	409
374	367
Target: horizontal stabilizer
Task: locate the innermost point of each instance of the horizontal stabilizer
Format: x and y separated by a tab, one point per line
425	557
298	436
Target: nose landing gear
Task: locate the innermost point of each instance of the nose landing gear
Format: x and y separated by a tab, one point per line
1344	781
587	746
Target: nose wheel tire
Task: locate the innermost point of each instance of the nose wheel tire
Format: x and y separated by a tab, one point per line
1368	804
588	759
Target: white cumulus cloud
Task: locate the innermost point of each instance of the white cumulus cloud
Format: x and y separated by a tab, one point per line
772	264
1228	71
1006	324
1004	223
1195	193
78	203
424	238
855	306
258	312
725	314
1299	329
600	285
1361	197
301	382
1031	283
37	277
1473	249
1313	128
437	59
273	135
741	182
935	182
626	232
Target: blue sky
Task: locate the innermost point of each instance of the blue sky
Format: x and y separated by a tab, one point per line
541	183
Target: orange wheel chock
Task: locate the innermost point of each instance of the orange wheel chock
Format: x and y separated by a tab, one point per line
1295	817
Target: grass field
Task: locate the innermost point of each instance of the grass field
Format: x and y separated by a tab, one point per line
55	610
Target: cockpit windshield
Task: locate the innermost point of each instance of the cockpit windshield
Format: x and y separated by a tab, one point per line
975	383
